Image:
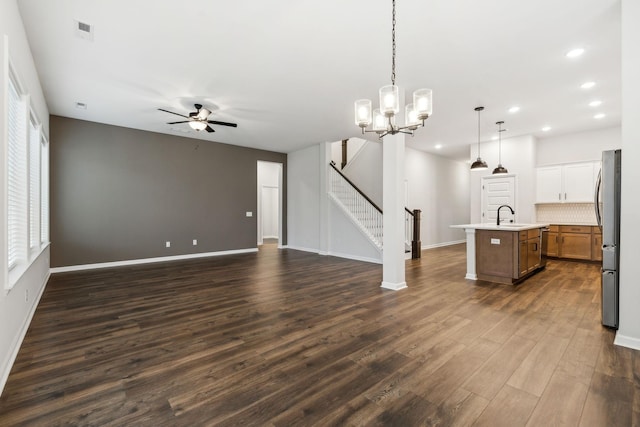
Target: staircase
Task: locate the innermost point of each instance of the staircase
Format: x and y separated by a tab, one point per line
366	215
363	211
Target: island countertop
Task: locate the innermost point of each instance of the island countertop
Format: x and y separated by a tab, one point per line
502	227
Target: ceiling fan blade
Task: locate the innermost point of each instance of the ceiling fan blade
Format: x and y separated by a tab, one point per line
209	129
215	122
175	123
171	112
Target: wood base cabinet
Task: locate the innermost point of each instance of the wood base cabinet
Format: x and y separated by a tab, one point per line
580	242
507	256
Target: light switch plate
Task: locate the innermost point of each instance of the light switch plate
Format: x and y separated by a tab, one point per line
249	214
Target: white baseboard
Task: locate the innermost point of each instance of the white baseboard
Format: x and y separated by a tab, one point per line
149	260
393	286
355	257
629	342
439	245
301	248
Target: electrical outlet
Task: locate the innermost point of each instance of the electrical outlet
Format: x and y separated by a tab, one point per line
249	214
195	242
167	244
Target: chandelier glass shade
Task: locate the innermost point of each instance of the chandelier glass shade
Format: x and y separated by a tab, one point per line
382	120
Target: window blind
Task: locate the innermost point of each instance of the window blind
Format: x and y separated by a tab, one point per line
34	185
16	176
44	191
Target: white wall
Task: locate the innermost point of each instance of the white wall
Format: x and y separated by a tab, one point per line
18	305
347	241
303	203
519	157
629	332
577	147
365	170
353	147
440	188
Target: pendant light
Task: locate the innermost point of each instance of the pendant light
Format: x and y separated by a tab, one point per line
383	119
479	164
500	170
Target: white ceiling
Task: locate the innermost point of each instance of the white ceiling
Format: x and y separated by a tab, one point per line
288	71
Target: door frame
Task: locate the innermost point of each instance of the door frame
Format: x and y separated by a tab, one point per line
259	186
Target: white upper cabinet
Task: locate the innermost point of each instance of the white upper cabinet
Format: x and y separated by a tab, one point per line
570	183
549	184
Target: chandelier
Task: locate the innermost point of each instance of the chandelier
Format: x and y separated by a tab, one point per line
383	119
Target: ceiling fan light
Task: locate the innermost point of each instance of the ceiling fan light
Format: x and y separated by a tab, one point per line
197	125
363	112
203	114
389	100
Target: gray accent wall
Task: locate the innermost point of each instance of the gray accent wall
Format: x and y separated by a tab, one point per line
119	194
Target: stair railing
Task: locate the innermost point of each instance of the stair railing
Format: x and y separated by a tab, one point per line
368	215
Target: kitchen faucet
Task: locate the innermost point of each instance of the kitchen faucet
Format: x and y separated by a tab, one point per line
504	206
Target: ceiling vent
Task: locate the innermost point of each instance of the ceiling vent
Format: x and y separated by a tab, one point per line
84	30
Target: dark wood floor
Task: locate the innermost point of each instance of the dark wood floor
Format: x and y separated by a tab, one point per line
288	338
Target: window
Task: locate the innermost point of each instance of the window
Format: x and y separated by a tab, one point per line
27	184
16	174
34	185
44	190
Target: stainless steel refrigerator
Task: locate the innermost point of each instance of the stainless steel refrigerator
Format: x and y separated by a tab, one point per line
607	204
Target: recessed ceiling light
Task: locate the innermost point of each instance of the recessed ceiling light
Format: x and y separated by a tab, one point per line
81	105
574	53
438	146
494	138
595	103
514	109
546	129
599	116
587	85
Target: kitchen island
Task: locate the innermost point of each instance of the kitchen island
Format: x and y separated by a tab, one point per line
506	253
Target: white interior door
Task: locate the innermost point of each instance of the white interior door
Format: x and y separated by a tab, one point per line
270	214
497	191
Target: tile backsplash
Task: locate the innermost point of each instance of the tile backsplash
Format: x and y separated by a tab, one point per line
566	213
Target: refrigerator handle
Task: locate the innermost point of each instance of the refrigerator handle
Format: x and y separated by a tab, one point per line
596	199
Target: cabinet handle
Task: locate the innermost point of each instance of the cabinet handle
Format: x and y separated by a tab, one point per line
559	196
565	196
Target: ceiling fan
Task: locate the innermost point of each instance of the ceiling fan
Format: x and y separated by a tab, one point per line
198	119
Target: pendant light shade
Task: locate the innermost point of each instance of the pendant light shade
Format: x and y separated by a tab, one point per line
479	164
500	170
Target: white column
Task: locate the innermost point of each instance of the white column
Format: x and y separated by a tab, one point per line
393	259
471	254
